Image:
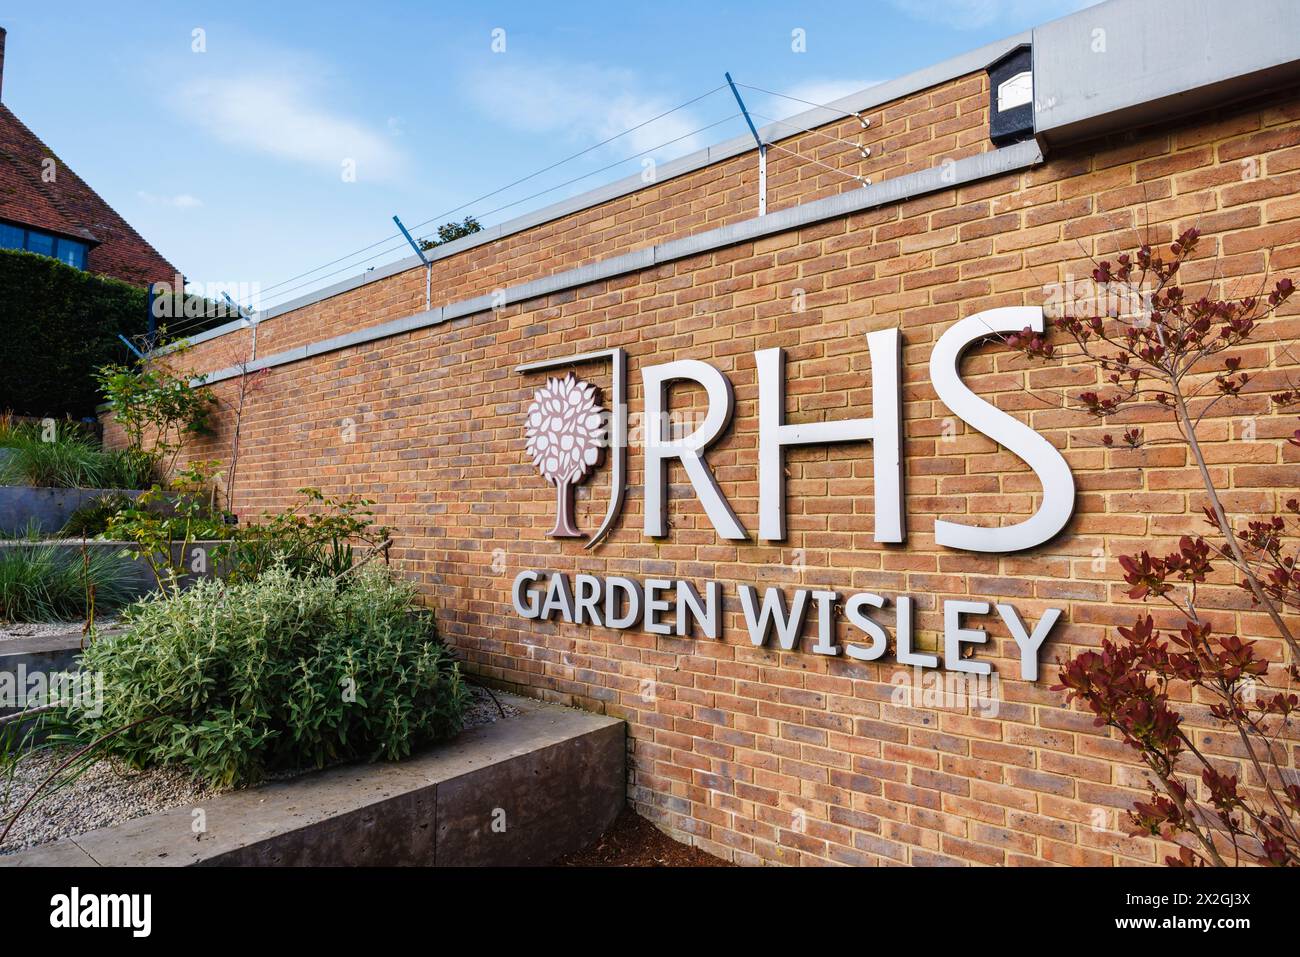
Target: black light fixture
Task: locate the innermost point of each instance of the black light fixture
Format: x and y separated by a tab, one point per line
1011	96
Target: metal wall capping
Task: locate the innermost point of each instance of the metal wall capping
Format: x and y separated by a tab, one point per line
970	169
1125	63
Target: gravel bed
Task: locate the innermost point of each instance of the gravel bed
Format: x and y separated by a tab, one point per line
483	709
110	793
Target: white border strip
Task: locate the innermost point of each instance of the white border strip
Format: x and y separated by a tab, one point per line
982	166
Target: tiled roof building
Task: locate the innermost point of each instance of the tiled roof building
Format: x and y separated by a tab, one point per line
47	208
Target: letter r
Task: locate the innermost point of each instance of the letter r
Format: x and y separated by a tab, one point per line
659	448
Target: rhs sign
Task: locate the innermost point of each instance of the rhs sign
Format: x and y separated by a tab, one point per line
565	429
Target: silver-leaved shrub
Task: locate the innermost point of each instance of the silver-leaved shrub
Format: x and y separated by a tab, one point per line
281	672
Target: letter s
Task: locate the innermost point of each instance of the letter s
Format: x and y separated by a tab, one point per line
1039	454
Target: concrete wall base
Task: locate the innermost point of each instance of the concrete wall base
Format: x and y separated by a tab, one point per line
524	790
49	508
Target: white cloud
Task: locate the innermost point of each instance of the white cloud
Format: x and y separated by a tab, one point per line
287	117
586	104
973	14
179	201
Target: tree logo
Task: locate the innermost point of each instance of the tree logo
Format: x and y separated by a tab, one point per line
566	431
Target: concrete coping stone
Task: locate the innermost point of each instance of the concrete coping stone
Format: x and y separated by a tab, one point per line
38	644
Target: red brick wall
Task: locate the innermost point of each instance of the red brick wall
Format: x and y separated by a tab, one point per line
756	754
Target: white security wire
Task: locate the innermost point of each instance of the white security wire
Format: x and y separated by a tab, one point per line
395	247
823	106
488	195
808	159
403	244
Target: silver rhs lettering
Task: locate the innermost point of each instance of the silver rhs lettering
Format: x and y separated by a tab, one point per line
1039	454
883	429
660	449
525	607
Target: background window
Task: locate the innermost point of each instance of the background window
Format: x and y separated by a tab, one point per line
72	252
11	237
42	243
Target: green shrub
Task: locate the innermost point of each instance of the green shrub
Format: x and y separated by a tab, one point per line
164	524
314	537
126	524
70	457
67	462
16	431
279	672
30	532
60	324
128	468
448	232
91	519
44	582
157	406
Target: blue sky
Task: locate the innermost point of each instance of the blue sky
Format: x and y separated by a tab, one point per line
231	159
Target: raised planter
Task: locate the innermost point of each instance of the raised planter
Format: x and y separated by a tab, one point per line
24	657
523	790
38	655
139	578
39	658
50	508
